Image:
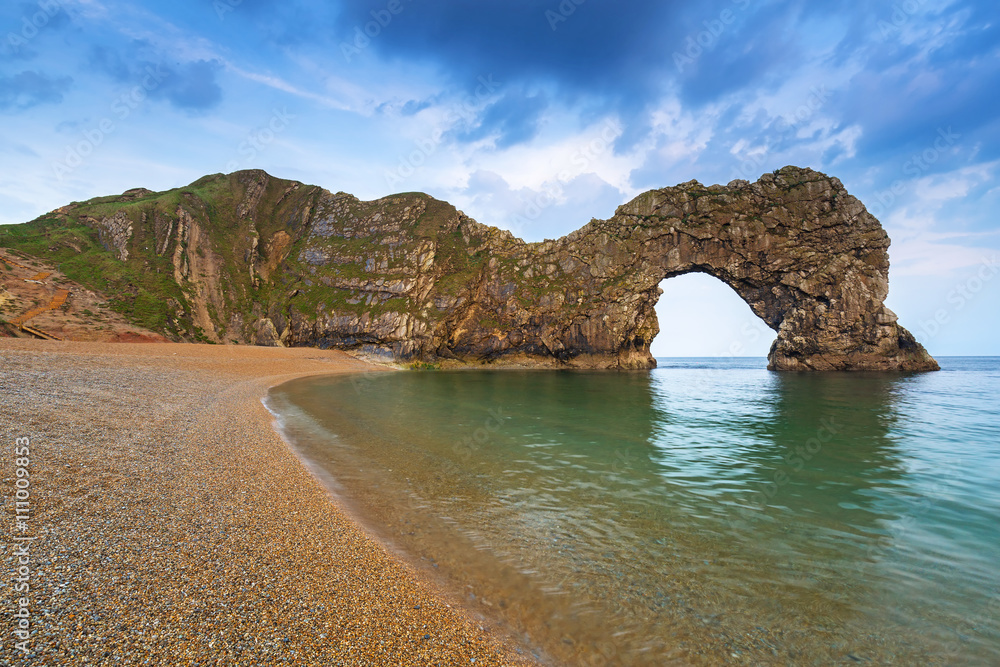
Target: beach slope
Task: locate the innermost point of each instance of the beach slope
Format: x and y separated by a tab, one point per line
174	526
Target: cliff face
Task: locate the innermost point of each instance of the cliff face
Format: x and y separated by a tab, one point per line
249	258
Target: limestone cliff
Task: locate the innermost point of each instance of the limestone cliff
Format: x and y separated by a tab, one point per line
248	258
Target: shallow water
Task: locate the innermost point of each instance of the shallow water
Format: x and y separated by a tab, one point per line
705	512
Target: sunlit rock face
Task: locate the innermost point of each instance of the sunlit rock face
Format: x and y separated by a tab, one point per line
805	255
249	258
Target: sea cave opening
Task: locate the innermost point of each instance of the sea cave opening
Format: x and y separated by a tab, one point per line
701	316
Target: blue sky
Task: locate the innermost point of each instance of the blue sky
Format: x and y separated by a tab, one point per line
536	117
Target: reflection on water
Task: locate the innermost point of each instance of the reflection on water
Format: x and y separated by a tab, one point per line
706	512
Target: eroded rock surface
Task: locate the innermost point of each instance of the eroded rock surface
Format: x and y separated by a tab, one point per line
253	259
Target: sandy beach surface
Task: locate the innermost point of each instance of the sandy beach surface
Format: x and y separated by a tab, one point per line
173	526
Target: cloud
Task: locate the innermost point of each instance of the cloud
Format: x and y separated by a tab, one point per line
24	22
941	227
935	71
511	120
736	48
111	61
191	86
514	38
930	257
30	88
19	149
413	107
278	83
549	211
598	58
608	56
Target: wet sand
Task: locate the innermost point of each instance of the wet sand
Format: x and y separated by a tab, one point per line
174	526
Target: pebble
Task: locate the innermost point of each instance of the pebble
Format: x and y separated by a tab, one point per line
175	527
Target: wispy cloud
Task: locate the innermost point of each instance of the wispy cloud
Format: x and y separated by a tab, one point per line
278	83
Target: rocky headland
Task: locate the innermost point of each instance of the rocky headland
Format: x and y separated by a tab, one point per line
249	258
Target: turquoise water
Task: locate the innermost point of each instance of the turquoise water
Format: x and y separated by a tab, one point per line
706	512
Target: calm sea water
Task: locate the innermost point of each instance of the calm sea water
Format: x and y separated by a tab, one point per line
706	512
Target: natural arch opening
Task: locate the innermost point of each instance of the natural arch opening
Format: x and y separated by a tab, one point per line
701	316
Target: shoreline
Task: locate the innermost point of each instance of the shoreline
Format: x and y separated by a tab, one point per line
175	524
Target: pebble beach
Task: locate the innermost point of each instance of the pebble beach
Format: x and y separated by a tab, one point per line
171	525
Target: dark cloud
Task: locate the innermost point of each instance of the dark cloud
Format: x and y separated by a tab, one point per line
600	57
30	88
596	45
193	86
190	86
625	58
742	49
613	51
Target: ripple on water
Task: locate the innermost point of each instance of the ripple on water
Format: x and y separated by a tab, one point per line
706	512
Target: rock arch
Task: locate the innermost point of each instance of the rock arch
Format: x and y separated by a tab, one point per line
805	255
